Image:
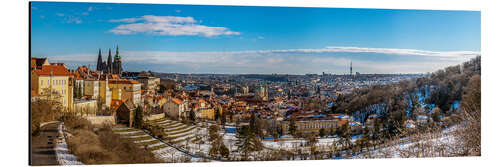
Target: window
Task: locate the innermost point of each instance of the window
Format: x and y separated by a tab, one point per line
41	82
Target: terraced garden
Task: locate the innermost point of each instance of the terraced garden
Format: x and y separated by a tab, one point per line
191	138
158	148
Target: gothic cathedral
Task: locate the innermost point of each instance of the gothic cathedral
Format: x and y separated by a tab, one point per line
111	66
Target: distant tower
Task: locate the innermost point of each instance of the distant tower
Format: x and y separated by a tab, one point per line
99	61
110	63
117	64
351	68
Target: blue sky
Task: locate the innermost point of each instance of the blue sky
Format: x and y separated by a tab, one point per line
236	39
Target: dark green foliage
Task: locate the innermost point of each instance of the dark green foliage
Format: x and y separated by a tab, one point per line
248	141
192	115
217	114
322	132
138	118
292	128
255	128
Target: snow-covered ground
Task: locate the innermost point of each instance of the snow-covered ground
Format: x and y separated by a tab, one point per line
63	156
428	145
163	151
185	136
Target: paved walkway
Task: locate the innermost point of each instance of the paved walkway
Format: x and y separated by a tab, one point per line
42	146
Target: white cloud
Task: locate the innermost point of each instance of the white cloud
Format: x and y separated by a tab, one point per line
292	61
167	25
60	14
73	19
400	51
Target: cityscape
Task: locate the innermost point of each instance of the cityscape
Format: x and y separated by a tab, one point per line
113	101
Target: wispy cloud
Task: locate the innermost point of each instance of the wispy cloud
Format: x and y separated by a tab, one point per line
70	18
167	25
292	61
73	19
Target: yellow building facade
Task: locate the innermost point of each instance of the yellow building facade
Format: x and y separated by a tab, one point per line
125	90
55	78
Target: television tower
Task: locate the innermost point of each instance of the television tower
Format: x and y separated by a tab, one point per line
351	68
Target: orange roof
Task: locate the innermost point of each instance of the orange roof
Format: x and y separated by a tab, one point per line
115	76
57	64
116	103
56	70
123	82
77	76
33	62
177	101
82	68
34	94
342	122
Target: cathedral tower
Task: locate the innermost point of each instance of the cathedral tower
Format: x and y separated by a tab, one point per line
99	61
117	64
110	63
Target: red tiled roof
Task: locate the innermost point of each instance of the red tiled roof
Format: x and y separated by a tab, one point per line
82	68
34	94
33	62
56	70
37	62
114	76
177	101
77	76
342	122
116	103
123	82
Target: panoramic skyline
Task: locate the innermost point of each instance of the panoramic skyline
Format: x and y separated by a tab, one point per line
237	39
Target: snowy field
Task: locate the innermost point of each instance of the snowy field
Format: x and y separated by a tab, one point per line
191	138
161	150
63	156
430	145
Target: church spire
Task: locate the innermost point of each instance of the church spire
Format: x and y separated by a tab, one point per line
99	61
117	54
110	63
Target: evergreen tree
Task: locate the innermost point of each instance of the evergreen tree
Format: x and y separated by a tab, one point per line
322	132
138	117
75	91
217	114
247	141
292	128
223	119
192	115
253	123
217	147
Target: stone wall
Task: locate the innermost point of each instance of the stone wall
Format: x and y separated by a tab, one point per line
101	120
155	116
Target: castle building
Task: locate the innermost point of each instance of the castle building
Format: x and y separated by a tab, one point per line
112	66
